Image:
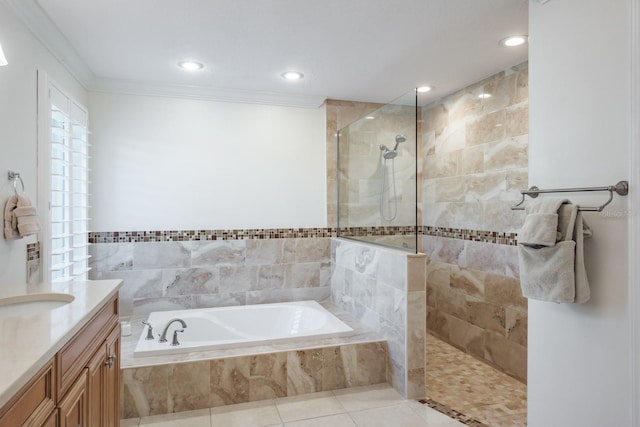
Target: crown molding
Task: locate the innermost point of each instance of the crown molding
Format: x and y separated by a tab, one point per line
132	87
50	36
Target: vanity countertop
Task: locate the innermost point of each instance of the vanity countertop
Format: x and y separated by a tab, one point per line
28	342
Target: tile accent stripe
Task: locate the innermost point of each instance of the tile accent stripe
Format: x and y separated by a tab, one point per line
452	413
33	251
189	235
497	237
400	230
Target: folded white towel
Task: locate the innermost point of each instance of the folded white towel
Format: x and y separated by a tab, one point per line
540	223
26	216
20	218
554	271
10	222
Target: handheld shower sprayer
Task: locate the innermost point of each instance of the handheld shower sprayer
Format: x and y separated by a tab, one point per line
399	138
389	153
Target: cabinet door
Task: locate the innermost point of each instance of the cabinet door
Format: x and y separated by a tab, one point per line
96	384
111	399
73	407
52	421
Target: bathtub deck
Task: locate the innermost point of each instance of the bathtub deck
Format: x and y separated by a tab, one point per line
361	335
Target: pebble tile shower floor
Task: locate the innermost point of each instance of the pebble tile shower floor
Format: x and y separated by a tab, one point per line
459	382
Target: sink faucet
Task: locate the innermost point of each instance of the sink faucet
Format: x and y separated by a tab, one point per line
163	337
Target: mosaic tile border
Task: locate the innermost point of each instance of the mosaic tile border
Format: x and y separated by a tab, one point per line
33	251
194	235
400	230
497	237
452	413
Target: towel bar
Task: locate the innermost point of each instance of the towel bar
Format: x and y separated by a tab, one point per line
621	188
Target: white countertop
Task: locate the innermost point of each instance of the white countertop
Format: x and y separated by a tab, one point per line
28	342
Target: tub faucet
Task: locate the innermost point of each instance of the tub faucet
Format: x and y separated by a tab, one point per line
149	331
163	337
175	342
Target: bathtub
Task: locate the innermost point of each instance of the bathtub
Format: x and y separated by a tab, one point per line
229	327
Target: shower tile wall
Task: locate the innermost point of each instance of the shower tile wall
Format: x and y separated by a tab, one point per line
339	114
385	290
171	275
362	168
474	160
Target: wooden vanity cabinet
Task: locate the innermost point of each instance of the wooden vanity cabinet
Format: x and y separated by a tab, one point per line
74	406
80	386
33	404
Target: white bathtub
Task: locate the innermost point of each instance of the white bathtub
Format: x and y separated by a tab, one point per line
228	327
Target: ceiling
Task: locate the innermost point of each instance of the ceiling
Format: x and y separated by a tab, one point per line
361	50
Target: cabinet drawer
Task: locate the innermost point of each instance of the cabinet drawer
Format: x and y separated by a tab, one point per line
34	402
76	354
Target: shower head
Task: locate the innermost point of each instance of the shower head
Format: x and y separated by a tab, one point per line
399	138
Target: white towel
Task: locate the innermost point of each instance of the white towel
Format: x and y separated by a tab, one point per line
541	223
20	218
10	223
554	270
26	217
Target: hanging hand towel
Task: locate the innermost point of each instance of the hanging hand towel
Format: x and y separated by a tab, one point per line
541	223
26	217
554	270
10	223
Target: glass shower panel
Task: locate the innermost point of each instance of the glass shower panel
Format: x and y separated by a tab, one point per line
377	186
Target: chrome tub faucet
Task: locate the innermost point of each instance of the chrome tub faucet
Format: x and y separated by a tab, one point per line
163	337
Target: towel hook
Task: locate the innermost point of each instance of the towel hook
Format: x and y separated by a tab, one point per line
15	177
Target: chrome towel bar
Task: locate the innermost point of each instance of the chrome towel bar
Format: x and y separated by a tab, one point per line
621	188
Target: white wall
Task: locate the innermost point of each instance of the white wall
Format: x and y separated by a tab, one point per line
18	124
579	125
175	164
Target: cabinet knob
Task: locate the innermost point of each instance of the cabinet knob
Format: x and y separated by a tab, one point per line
110	360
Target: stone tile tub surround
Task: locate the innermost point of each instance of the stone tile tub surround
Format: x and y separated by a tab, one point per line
385	290
168	275
474	161
177	387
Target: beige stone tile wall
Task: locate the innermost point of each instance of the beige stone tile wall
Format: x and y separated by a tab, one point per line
384	289
178	387
339	114
474	160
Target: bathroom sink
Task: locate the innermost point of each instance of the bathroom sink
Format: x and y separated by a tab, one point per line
27	305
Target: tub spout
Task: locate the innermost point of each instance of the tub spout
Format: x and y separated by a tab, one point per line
163	337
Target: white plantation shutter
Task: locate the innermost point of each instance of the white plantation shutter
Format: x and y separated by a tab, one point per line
65	164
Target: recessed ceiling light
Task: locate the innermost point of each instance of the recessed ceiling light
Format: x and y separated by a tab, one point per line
292	75
513	41
484	95
424	89
190	65
369	117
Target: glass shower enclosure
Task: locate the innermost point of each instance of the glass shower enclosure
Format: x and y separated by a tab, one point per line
377	176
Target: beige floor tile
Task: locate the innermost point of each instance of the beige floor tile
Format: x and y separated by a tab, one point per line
376	396
130	422
340	420
308	406
253	414
396	415
199	418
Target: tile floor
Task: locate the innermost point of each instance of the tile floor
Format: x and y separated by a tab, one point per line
473	388
370	406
